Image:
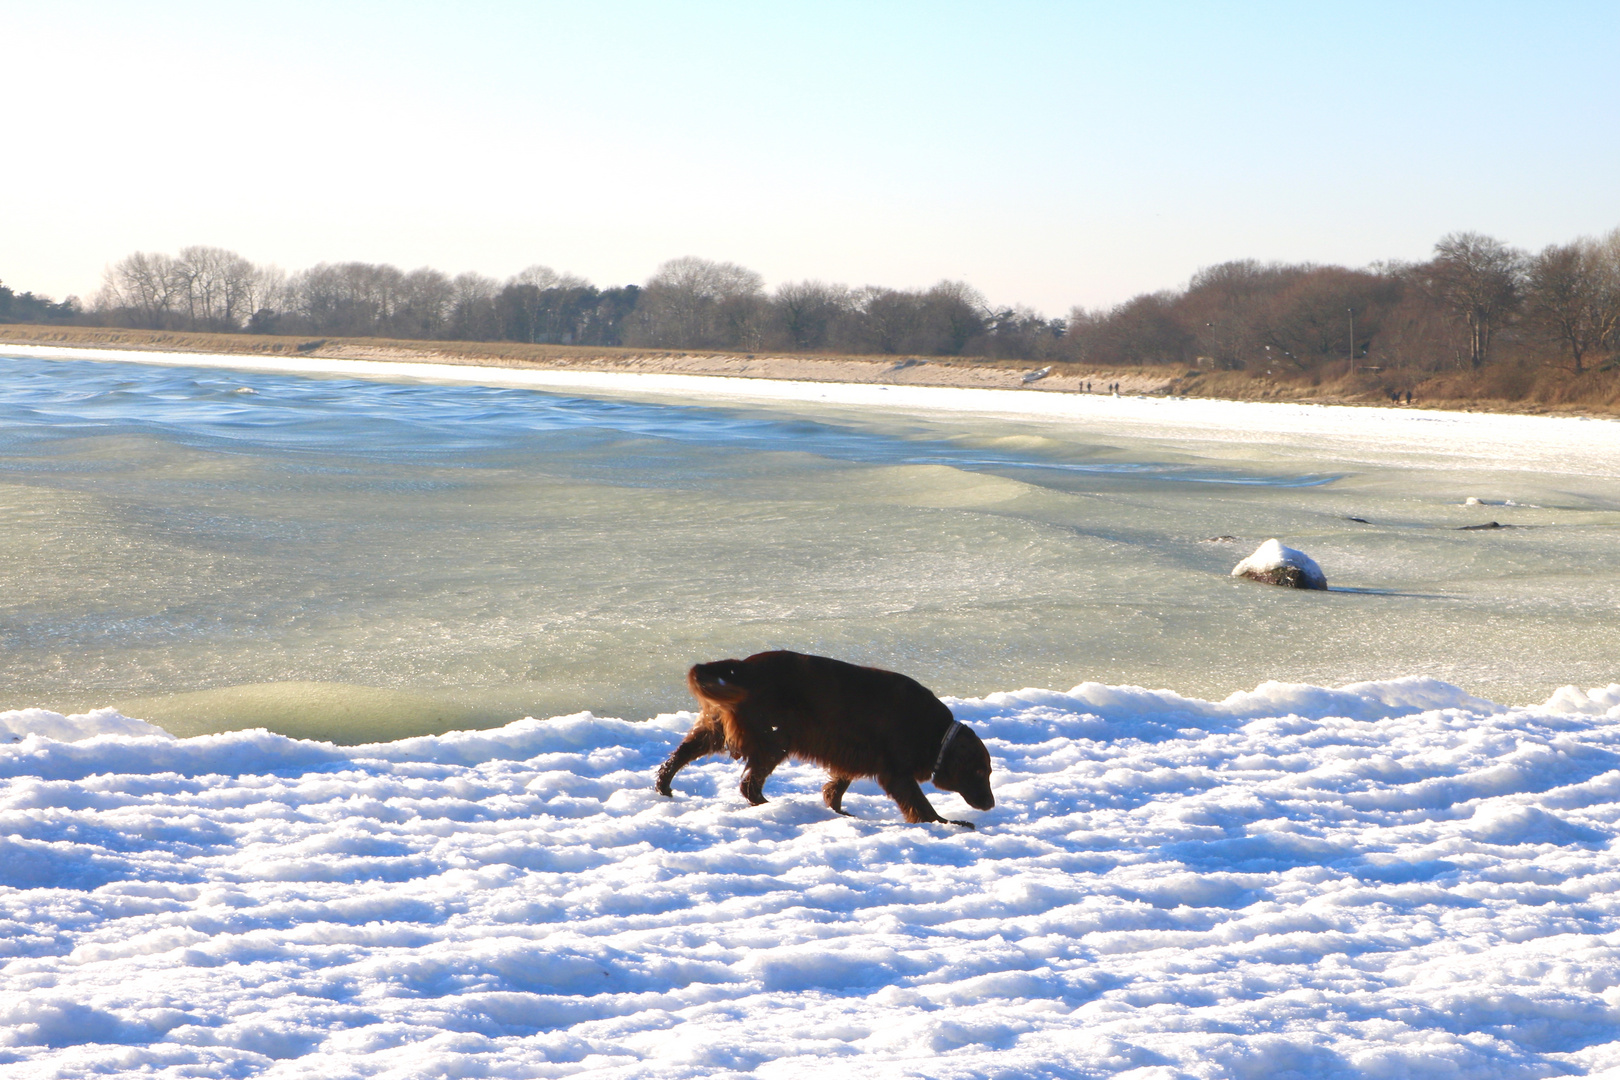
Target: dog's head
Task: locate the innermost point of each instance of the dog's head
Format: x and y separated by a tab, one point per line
966	770
720	680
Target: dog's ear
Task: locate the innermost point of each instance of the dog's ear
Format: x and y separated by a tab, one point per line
966	770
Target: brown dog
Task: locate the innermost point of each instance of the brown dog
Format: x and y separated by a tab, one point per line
853	721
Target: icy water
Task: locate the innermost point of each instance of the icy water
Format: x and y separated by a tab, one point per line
356	559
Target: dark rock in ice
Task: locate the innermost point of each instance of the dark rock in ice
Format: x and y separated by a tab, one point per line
1290	577
1274	564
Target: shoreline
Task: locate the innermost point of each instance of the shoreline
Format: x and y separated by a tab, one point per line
1568	445
779	367
1060	379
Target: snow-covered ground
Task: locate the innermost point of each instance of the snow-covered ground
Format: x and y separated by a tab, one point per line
1389	879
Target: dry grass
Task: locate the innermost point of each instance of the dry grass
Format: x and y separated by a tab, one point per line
284	345
1501	387
1505	387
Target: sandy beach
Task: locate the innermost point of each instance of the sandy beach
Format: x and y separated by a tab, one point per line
891	371
909	371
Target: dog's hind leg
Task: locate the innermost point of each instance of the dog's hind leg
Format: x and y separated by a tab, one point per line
832	793
914	805
757	769
706	737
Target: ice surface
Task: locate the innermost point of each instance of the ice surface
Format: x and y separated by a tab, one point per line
1384	879
365	559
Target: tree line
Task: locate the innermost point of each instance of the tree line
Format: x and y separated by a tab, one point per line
689	303
1474	301
29	308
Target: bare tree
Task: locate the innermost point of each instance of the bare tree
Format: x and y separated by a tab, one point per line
697	303
473	315
426	298
954	313
216	287
1310	322
352	298
889	319
1477	277
1143	330
1225	308
544	277
143	285
1558	290
530	306
1606	256
1415	333
270	296
809	312
1084	332
1572	294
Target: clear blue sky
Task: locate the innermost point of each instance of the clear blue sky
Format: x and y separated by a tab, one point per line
1049	153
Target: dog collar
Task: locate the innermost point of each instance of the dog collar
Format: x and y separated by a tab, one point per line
944	745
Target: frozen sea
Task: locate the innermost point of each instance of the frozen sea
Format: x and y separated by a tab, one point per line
1362	833
362	558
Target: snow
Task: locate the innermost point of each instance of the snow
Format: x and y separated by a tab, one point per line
1274	555
1380	880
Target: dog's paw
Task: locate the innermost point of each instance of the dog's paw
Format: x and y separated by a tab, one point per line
964	824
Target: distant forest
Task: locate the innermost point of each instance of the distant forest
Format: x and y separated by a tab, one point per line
1475	302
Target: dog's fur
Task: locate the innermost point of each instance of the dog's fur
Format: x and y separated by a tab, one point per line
853	721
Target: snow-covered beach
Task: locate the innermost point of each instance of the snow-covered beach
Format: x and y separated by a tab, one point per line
1392	878
1384	880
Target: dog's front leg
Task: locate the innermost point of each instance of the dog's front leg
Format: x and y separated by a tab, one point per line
706	737
914	805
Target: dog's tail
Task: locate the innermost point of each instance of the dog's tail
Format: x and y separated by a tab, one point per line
718	681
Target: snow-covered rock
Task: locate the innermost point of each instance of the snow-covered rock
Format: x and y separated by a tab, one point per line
1275	564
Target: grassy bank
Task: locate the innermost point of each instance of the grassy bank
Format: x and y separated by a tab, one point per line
1499	387
103	337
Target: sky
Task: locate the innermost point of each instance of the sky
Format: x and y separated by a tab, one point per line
1050	154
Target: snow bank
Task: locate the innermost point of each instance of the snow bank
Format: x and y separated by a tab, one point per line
1385	879
19	724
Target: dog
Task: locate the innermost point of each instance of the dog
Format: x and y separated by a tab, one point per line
853	721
